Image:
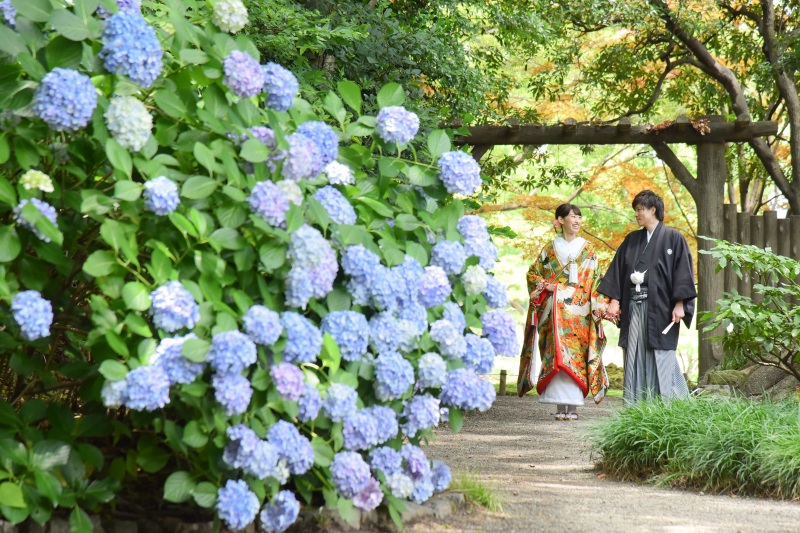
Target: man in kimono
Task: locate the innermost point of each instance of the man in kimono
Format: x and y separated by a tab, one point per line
651	286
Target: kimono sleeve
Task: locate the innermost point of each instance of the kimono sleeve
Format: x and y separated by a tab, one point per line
683	284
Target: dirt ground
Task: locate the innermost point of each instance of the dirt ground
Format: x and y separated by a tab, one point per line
543	473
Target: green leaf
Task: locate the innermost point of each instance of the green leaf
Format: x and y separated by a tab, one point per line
136	296
128	191
330	355
49	486
194	436
113	370
456	418
338	300
228	239
272	257
391	94
119	157
323	453
351	94
254	151
100	263
333	105
205	157
195	350
438	144
170	103
34	10
407	222
417	251
348	512
49	453
193	57
178	487
152	457
421	177
7	193
11	495
10	247
11	42
198	187
79	521
69	25
42	223
379	207
5	149
205	494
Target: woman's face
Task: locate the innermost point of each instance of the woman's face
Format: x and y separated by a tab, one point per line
571	223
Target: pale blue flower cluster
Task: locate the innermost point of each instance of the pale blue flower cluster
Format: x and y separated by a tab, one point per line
394	124
385	332
486	251
314	267
350	330
385	459
242	442
473	228
309	403
298	163
449	255
265	461
420	413
236	505
146	388
440	475
281	513
453	313
370	496
113	393
243	74
431	370
325	138
423	490
350	473
231	352
500	329
174	307
474	280
339	208
9	13
479	355
280	87
371	283
229	15
339	174
303	339
451	343
161	196
262	325
340	402
434	287
33	313
129	122
400	485
65	99
417	316
270	203
393	376
170	357
292	190
233	392
408	275
265	135
131	48
495	293
44	208
288	379
360	431
415	463
387	421
292	446
464	389
476	240
134	6
460	173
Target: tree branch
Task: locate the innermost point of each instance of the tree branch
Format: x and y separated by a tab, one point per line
680	171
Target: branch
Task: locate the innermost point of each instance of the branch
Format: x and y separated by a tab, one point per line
680	207
680	171
735	13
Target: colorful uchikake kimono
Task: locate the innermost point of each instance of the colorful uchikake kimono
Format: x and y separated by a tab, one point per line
564	327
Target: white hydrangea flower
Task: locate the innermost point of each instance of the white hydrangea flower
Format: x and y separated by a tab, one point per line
291	190
129	122
339	174
474	279
36	179
230	15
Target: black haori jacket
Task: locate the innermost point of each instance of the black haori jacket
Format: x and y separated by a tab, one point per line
669	278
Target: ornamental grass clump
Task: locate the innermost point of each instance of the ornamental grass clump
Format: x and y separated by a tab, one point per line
217	298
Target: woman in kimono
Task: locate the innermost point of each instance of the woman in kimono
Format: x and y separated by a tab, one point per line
564	321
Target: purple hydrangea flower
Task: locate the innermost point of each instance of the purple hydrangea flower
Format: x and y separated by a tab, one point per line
243	74
262	325
294	447
65	99
131	48
431	370
479	355
313	265
386	460
231	352
33	313
299	288
387	421
451	343
233	392
174	307
350	330
303	339
420	413
393	376
170	357
270	203
370	496
340	402
230	16
495	293
360	431
453	314
460	173
280	87
134	6
394	124
129	122
339	209
147	388
161	196
242	442
9	13
434	287
288	380
281	513
339	174
310	403
324	137
500	329
449	255
299	162
236	505
473	228
265	135
350	473
415	463
464	389
44	208
440	475
486	251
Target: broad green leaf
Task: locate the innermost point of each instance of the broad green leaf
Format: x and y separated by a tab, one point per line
193	57
228	239
48	485
100	263
116	343
456	418
10	246
272	257
129	191
49	453
119	157
351	94
323	453
63	53
254	151
391	94
5	149
7	193
178	487
35	10
195	350
42	223
11	495
137	325
348	512
113	370
198	187
407	222
379	207
136	296
294	218
194	436
333	105
205	494
79	521
417	251
152	458
438	144
421	177
330	355
10	41
205	157
69	25
338	300
170	103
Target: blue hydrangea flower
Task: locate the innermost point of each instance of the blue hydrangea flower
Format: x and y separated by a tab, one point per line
231	352
170	357
394	124
233	392
174	307
9	13
264	461
440	475
339	208
408	274
358	262
445	413
387	421
147	388
400	485
310	403
229	15
486	251
281	513
303	339
288	379
464	389
44	208
314	267
420	413
452	344
386	460
431	370
370	496
408	335
384	332
350	473
236	505
134	6
473	228
479	355
415	463
350	330
417	316
474	280
434	287
501	330
299	162
33	313
161	196
299	288
383	288
292	446
243	74
270	203
423	490
280	87
265	135
262	325
453	314
242	442
449	255
292	191
65	99
129	122
495	293
360	431
131	48
460	173
113	393
339	174
340	402
324	137
393	376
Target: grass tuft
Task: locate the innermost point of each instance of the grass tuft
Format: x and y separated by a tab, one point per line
477	492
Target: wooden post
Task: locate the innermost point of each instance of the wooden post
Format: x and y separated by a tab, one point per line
729	234
503	375
784	238
794	223
756	239
771	230
743	237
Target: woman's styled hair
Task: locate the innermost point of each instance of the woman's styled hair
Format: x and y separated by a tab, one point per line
565	209
648	199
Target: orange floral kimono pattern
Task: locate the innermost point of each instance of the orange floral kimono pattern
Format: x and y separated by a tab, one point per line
566	324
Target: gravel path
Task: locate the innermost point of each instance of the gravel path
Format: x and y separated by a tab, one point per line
543	473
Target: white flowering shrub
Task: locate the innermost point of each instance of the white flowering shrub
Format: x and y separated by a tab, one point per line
210	287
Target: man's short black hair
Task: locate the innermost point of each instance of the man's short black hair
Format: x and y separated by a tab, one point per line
648	199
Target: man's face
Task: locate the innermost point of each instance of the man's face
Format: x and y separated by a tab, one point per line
645	215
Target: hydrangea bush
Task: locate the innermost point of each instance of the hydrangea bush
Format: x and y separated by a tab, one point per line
211	285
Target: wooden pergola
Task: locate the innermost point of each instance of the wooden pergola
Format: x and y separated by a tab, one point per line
708	134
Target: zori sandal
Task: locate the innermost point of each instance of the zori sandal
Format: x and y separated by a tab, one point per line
559	416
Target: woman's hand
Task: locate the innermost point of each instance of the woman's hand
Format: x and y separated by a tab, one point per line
612	313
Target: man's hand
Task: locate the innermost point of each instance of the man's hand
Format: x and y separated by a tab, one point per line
677	312
613	309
